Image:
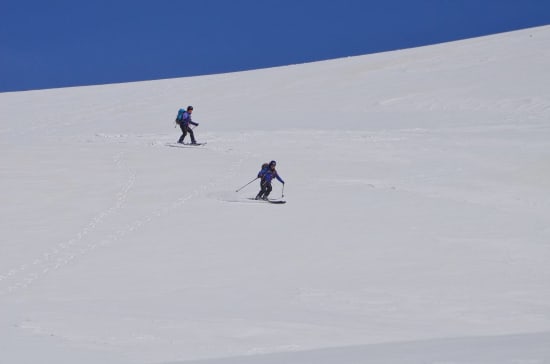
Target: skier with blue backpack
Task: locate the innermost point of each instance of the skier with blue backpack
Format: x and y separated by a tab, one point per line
267	173
184	121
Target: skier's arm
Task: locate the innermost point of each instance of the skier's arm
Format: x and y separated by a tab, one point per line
279	178
188	120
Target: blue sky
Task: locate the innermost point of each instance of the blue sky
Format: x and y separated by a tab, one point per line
48	44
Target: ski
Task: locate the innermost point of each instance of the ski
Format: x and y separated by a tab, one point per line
184	145
277	202
269	201
195	144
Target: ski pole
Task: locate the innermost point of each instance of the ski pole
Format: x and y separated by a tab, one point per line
283	191
247	184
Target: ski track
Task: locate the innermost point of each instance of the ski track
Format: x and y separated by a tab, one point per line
66	251
69	251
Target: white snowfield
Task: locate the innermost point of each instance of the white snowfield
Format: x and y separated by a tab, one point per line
416	228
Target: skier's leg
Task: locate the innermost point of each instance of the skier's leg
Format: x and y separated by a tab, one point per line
268	189
182	135
192	135
262	190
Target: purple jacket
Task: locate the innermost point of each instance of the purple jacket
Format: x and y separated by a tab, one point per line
267	174
187	120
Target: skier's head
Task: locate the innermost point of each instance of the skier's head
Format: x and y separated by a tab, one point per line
189	108
272	164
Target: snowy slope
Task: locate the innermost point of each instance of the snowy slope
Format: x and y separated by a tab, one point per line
417	227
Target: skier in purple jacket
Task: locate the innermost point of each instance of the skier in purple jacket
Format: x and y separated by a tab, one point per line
184	125
267	173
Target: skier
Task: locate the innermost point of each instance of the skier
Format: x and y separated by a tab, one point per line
184	125
267	173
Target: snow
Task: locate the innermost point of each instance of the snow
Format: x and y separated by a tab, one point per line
416	227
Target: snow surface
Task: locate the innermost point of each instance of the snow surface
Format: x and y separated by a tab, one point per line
417	228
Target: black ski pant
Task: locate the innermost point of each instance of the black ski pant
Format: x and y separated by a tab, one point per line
266	189
186	129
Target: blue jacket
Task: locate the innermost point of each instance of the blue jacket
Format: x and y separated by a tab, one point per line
187	119
267	174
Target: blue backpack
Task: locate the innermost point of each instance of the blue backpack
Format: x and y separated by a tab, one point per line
179	118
